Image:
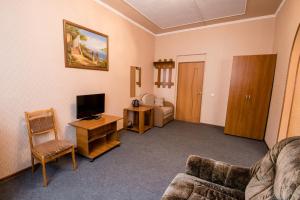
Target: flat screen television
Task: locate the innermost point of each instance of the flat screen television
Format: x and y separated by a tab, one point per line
90	106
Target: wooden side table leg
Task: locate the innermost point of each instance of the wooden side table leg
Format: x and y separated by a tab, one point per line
152	118
125	118
141	122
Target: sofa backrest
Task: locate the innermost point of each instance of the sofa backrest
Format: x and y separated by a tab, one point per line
148	99
277	174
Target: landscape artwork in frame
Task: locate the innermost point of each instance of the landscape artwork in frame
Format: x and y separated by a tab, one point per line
85	48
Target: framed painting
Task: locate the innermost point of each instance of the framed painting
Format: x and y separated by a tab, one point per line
85	48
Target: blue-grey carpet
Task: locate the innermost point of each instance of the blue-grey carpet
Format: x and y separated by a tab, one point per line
140	169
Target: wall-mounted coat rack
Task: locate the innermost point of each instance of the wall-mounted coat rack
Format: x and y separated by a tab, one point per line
163	67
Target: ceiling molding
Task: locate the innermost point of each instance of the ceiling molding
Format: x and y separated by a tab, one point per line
188	29
218	25
124	17
184	24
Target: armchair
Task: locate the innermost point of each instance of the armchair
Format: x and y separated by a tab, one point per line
275	176
163	113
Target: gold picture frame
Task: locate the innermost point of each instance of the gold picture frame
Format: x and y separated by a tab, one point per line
85	48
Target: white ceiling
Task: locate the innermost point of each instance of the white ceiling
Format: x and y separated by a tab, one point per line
172	13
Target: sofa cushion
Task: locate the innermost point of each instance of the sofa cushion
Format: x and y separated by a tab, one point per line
159	101
277	175
187	187
167	110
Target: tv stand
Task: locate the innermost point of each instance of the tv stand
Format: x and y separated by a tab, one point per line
95	137
92	117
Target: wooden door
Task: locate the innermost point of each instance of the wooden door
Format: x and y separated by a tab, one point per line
237	107
249	97
262	70
189	91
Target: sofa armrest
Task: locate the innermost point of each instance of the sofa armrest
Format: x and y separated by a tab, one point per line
218	172
169	104
158	116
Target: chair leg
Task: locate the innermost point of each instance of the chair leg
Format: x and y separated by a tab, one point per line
73	158
32	163
44	173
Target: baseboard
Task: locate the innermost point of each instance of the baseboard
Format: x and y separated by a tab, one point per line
120	130
213	125
6	178
266	143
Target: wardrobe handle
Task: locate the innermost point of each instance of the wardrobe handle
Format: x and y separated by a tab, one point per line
248	97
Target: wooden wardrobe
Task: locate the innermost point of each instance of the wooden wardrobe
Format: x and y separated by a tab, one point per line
249	96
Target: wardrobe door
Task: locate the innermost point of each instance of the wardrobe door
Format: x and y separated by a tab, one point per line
249	98
236	118
261	70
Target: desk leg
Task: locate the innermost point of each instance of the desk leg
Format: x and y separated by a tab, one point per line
141	122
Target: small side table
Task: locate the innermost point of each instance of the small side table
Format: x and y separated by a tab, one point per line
142	118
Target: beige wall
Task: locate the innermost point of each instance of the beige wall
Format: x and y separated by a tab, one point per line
33	75
218	46
287	22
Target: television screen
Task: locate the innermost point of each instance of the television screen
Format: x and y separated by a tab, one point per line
90	105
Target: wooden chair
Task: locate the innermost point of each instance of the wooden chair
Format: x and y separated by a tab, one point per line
42	122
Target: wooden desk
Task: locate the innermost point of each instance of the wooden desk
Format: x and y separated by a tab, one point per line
95	137
142	118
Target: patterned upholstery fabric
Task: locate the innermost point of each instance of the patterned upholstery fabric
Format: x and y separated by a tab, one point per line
159	101
166	110
41	124
189	187
274	177
162	114
277	175
51	147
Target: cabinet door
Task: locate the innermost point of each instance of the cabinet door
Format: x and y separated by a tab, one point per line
236	118
261	73
249	96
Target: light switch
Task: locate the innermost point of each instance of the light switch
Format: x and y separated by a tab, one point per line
212	94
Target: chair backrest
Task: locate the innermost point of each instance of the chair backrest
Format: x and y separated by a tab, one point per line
148	99
277	174
40	122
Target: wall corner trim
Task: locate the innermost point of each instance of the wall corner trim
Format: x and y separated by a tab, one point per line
280	7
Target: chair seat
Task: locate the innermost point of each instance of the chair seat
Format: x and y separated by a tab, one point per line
51	148
167	110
